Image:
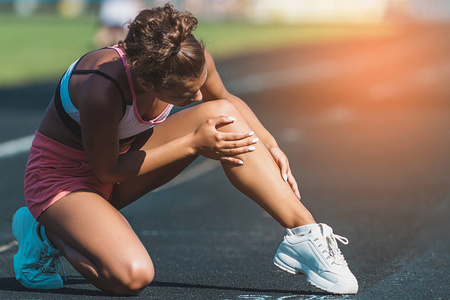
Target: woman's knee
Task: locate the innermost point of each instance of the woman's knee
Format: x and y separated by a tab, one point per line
132	278
221	107
216	108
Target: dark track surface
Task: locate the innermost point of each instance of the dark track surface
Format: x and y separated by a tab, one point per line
366	126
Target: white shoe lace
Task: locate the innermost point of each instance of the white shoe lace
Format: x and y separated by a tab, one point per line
333	249
50	264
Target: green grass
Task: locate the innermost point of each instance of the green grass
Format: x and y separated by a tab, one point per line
40	48
228	39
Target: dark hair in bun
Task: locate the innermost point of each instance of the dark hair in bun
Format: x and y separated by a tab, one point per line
161	48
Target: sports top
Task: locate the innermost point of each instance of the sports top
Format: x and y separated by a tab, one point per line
131	123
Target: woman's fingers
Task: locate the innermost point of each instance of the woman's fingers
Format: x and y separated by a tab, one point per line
221	120
293	183
282	162
235	136
235	151
232	160
289	178
231	139
232	142
238	143
284	168
228	136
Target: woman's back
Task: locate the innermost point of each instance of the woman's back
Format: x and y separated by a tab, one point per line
98	78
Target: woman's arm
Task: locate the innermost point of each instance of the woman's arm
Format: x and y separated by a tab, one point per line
101	110
214	89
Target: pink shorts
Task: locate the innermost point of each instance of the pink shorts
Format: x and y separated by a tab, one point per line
53	171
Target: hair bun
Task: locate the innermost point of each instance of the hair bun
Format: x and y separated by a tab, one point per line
154	41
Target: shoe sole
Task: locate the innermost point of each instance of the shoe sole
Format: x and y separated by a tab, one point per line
15	233
284	261
17	258
19	237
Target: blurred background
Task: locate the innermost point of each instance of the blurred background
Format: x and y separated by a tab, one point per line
59	31
356	93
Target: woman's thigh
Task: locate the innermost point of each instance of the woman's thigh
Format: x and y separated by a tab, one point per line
188	120
176	126
92	227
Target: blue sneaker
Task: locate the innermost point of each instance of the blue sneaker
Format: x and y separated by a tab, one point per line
37	263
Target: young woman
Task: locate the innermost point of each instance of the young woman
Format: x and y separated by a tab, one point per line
106	140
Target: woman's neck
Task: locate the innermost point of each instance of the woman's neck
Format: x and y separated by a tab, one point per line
148	105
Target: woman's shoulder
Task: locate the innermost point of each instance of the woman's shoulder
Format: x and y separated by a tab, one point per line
105	60
99	79
101	72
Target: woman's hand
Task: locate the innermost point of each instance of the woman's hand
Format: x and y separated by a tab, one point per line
283	163
223	146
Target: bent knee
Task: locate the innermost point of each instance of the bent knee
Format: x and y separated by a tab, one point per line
132	279
224	107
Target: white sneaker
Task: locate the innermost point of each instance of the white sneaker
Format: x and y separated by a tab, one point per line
317	255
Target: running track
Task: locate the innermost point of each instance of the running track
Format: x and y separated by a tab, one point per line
366	126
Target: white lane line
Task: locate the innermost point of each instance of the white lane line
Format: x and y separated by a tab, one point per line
8	246
15	147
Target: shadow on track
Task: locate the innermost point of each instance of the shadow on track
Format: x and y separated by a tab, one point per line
11	284
229	288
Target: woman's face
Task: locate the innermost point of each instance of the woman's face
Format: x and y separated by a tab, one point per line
185	93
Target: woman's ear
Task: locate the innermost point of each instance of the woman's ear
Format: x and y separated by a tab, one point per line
144	85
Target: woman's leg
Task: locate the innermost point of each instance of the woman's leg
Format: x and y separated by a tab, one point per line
99	243
267	189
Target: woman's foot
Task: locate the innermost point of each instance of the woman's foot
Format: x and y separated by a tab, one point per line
316	254
36	264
